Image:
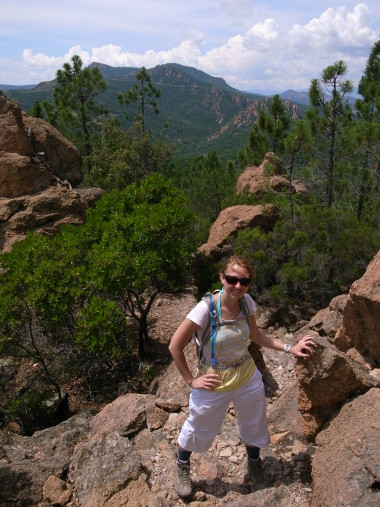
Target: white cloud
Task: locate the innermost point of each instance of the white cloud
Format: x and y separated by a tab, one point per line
335	30
266	30
269	54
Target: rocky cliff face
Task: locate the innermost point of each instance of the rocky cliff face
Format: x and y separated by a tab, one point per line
324	448
39	169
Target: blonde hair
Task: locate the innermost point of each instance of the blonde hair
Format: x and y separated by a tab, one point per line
240	261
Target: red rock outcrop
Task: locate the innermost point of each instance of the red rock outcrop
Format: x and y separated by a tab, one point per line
325	382
361	318
33	154
231	220
60	153
38	170
45	212
258	180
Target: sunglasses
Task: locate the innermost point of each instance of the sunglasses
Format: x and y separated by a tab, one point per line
233	280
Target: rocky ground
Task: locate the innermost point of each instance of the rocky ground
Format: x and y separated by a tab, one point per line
222	470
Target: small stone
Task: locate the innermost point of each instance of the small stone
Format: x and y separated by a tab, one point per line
56	492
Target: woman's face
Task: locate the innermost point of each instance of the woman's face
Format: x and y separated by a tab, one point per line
236	280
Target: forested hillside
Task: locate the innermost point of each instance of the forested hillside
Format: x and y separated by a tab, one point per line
202	113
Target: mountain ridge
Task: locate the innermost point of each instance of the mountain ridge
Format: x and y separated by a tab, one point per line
204	113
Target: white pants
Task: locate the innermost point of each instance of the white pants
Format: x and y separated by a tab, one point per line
208	408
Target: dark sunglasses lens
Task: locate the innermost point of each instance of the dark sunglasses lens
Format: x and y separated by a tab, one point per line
233	280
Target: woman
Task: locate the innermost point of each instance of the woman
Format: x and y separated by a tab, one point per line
226	373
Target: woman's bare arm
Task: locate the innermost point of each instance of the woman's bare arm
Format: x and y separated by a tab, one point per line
180	338
303	349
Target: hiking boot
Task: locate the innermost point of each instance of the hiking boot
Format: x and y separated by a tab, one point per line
256	474
182	483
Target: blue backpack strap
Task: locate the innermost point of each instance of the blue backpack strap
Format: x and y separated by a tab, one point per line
202	335
213	332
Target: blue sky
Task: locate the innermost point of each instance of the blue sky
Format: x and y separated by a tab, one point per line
254	45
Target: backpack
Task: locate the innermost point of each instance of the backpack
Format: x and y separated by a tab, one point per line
203	335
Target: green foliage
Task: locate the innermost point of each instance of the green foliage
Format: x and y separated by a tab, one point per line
267	134
71	302
37	110
209	187
125	157
327	118
100	324
205	273
311	259
76	111
138	100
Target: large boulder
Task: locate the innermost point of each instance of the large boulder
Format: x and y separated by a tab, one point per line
326	381
361	317
346	466
267	177
45	212
61	154
231	220
33	154
109	472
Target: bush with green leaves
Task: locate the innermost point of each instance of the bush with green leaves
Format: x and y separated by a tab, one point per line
125	157
72	302
311	259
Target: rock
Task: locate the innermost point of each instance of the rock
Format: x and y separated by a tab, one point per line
231	220
38	168
267	177
45	212
155	417
325	382
60	153
284	414
13	135
328	321
125	454
101	469
34	155
346	467
127	415
361	316
169	405
56	491
20	176
363	359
